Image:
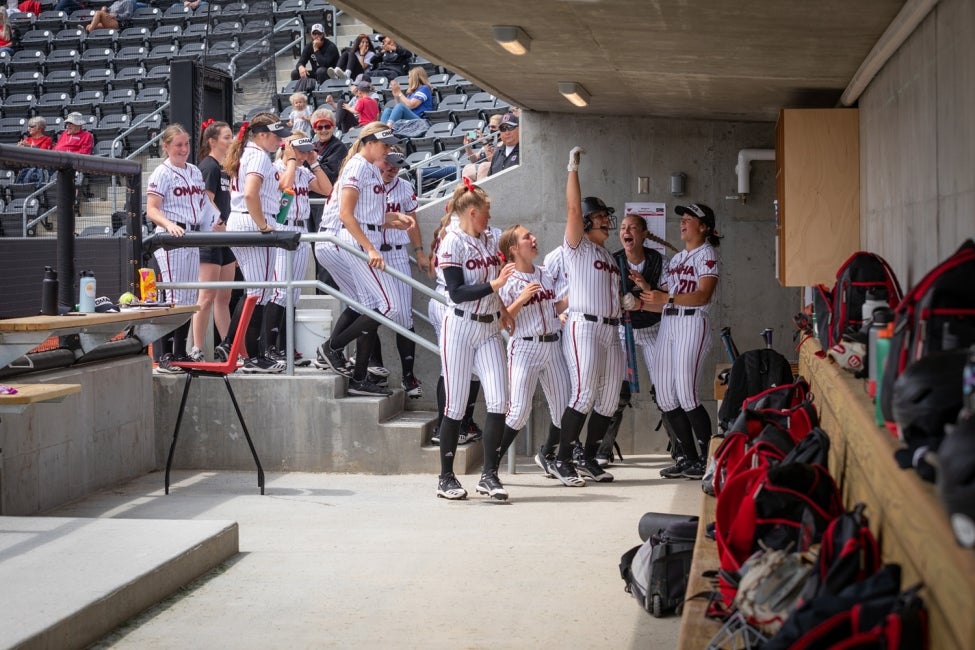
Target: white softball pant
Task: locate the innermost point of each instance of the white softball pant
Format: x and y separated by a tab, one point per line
682	346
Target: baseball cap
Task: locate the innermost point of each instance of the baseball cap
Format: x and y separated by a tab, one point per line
75	118
397	160
364	86
386	137
699	210
104	303
509	119
317	28
302	144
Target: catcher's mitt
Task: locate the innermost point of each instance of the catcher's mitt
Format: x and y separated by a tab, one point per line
770	586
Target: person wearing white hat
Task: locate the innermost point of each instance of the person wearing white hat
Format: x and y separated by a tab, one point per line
74	138
317	57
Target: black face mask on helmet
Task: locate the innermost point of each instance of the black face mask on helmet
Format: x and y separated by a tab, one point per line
590	206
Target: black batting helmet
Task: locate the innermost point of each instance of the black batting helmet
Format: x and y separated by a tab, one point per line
590	206
928	395
956	479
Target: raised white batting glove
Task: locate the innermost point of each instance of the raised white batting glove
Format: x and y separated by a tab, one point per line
574	157
630	302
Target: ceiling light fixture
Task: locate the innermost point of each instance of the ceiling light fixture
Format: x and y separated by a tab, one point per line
512	38
575	93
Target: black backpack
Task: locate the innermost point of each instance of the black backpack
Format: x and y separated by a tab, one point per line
937	314
656	571
858	274
752	372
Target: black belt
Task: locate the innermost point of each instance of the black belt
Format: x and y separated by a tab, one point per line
300	223
370	226
480	318
543	338
674	311
388	247
597	319
191	227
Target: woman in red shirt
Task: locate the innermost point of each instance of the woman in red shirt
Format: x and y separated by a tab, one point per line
35	139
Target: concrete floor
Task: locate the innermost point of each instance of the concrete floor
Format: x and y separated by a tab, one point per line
339	560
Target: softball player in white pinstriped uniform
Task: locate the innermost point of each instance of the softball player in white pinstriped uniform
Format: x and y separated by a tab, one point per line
592	346
255	198
470	336
685	330
329	255
554	263
534	352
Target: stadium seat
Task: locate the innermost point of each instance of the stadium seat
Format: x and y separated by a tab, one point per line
52	104
62	59
190	52
71	37
24	82
316	11
258	28
288	8
176	15
4	60
195	33
102	38
37	39
13	216
79	18
450	141
165	34
129	78
159	55
428	66
445	108
147	17
96	79
96	59
22	22
470	125
15	191
52	20
133	37
428	142
157	77
87	101
96	231
110	126
130	56
19	104
234	11
205	14
12	129
104	148
462	84
144	128
26	61
116	101
228	29
475	104
148	100
221	51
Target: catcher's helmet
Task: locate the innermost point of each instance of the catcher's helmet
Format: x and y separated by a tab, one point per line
928	395
956	479
590	206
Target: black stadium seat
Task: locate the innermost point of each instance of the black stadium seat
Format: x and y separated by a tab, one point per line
176	15
96	79
147	17
129	78
130	56
110	126
26	61
52	20
165	35
136	36
195	33
159	55
144	129
190	52
102	38
37	39
96	59
104	148
80	17
12	129
71	37
157	77
24	82
148	100
87	101
62	59
52	104
117	102
448	104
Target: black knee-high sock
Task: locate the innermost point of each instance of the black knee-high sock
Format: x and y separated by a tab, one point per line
342	323
680	424
507	437
441	399
493	433
572	421
234	322
552	441
598	424
407	352
376	358
676	447
449	431
363	347
362	324
282	325
701	424
273	326
180	335
253	335
471	400
609	439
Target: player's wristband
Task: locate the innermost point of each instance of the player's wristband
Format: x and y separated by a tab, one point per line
417	249
670	300
314	166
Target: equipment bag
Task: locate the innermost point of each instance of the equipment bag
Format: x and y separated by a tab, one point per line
937	314
752	372
861	272
656	571
848	554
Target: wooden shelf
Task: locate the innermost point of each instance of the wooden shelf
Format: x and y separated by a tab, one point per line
28	394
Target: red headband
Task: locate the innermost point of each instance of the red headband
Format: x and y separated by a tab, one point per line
469	185
203	127
243	131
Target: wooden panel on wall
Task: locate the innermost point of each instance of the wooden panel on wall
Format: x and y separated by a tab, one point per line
818	182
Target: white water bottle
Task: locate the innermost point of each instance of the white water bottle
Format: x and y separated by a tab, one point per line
876	299
86	293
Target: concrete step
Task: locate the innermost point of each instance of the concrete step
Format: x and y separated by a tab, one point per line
70	581
306	423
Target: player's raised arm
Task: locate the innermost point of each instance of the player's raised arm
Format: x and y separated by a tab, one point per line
574	228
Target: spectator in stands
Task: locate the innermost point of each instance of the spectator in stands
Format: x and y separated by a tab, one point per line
318	56
115	16
355	60
193	4
359	112
411	105
331	151
35	139
480	161
507	154
6	34
393	59
300	113
67	6
75	139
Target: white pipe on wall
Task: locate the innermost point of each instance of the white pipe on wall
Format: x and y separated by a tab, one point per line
744	166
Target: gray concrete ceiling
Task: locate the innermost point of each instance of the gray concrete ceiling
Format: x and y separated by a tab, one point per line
703	59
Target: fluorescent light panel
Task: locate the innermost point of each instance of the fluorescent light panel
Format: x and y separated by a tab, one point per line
512	38
575	93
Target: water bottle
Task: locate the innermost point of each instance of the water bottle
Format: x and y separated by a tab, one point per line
881	317
882	348
876	298
287	198
49	292
86	293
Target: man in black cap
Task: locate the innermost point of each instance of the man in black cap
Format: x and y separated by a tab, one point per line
506	155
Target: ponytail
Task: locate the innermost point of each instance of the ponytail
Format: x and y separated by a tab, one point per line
209	130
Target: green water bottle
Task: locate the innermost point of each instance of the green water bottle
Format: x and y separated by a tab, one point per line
883	347
287	198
